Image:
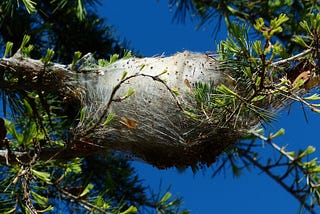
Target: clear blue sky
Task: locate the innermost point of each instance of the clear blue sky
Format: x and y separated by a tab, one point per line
147	25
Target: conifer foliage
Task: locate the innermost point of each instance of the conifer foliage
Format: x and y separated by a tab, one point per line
71	117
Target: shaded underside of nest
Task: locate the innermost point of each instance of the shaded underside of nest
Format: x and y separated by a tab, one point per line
205	152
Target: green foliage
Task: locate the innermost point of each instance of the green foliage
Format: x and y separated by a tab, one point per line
81	11
248	12
74	166
128	94
103	62
38	126
100	182
30	5
82	114
49	55
26	50
42	201
8	50
43	176
311	28
275	26
56	19
127	54
277	134
168	205
109	119
124	74
86	190
76	58
257	72
130	210
250	78
114	58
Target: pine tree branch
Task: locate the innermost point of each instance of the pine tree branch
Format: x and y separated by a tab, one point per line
156	112
84	203
281	182
290	59
32	74
63	154
156	122
296	171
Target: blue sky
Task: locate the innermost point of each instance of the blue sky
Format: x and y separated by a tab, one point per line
148	26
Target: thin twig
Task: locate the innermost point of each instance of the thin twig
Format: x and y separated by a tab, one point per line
85	204
311	184
279	181
284	61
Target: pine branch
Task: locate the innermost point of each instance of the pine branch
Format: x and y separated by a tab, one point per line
281	182
63	154
290	59
84	203
153	108
297	171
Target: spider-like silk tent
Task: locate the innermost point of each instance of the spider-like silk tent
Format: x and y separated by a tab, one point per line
153	123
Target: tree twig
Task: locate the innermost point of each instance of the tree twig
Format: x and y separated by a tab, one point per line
87	205
284	61
279	181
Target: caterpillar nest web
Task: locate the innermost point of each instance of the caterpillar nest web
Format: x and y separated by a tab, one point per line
141	106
